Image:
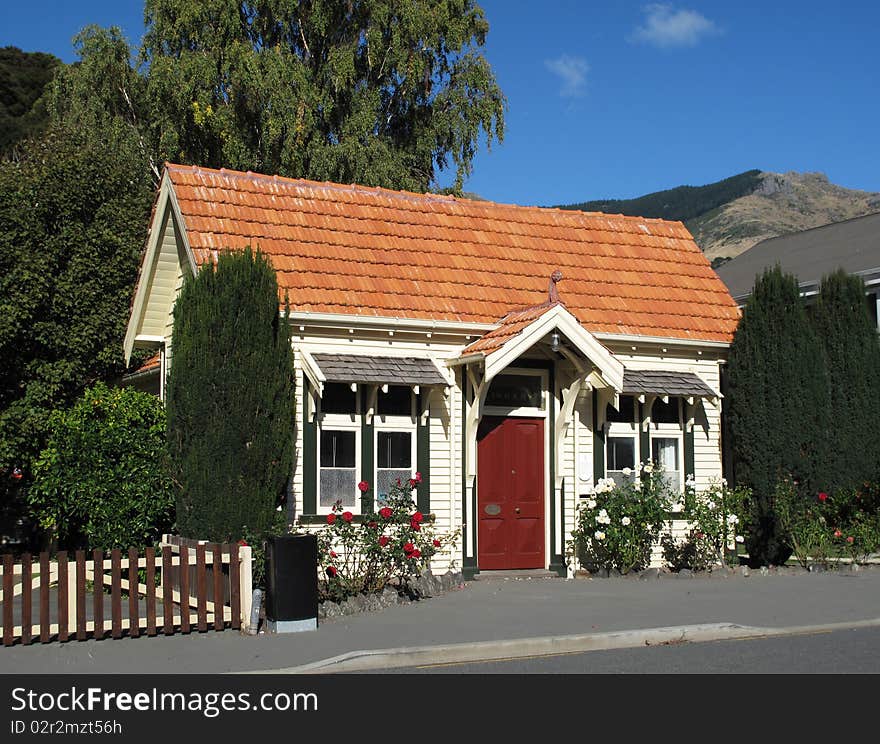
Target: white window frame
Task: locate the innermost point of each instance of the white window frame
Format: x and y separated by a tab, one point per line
623	430
529	411
341	422
390	423
670	431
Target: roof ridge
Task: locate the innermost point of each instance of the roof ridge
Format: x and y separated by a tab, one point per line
427	196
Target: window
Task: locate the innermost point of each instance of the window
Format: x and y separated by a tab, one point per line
514	391
621	455
620	442
666	440
665	452
338	398
394	460
338	463
396	402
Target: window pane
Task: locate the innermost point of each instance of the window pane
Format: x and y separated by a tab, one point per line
394	449
621	453
387	478
337	449
396	402
515	391
627	412
664	452
338	398
338	485
665	413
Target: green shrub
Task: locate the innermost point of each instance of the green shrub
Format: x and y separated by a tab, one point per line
807	524
103	480
393	545
230	399
617	525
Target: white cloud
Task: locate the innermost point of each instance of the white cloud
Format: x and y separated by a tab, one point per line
665	26
572	71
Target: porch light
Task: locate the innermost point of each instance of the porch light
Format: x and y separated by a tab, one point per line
554	341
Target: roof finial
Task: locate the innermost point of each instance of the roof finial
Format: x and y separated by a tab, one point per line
555	277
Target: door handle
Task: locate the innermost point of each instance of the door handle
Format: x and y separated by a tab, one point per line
517	510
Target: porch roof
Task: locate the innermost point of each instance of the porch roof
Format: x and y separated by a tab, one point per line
378	370
661	382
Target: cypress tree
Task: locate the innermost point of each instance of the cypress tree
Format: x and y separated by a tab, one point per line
778	403
851	354
230	399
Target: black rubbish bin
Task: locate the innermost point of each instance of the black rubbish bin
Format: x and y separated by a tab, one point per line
292	583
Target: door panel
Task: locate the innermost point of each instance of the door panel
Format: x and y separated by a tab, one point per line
510	493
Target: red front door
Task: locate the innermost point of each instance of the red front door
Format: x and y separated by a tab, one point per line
510	493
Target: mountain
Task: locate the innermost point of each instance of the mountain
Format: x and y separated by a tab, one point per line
730	216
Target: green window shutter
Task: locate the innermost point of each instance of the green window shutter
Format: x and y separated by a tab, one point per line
367	455
644	437
689	456
310	456
423	457
598	442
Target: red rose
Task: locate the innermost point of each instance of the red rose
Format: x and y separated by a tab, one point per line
850	539
416	554
243	543
16	474
385	512
409	548
416	526
373	525
417	517
823	497
333	554
436	543
418	478
363	486
331	518
413	482
347	516
383	541
838	533
331	571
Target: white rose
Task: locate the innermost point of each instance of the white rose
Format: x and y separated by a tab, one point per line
678	507
599	535
625	521
740	539
732	519
724	481
710	504
649	468
591	504
626	471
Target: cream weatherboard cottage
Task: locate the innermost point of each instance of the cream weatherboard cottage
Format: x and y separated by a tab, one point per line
511	355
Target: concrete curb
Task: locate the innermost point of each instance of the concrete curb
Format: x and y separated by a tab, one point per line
459	653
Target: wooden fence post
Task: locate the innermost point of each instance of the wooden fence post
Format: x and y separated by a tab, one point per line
27	591
134	623
62	595
8	569
45	578
80	595
98	595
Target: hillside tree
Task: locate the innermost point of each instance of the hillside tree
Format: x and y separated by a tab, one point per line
230	399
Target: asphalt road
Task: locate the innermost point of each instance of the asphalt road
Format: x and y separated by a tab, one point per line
840	652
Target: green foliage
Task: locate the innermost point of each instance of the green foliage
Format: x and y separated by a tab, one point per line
24	77
378	92
230	399
778	406
715	516
681	203
807	522
393	545
73	219
103	480
851	355
617	526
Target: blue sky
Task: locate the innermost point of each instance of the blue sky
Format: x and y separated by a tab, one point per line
617	99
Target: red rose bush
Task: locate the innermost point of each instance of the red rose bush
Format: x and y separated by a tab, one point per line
363	555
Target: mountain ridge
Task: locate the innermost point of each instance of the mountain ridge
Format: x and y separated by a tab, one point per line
730	216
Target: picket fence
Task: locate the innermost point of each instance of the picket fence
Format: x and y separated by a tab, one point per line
183	586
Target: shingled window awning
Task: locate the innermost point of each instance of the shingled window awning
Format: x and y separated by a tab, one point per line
659	383
379	370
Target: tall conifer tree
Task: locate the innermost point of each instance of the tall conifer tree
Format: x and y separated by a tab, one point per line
851	354
778	399
230	399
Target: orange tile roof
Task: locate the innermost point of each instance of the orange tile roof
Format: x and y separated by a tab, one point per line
374	252
509	326
150	364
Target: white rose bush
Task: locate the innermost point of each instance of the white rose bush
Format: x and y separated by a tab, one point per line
616	525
